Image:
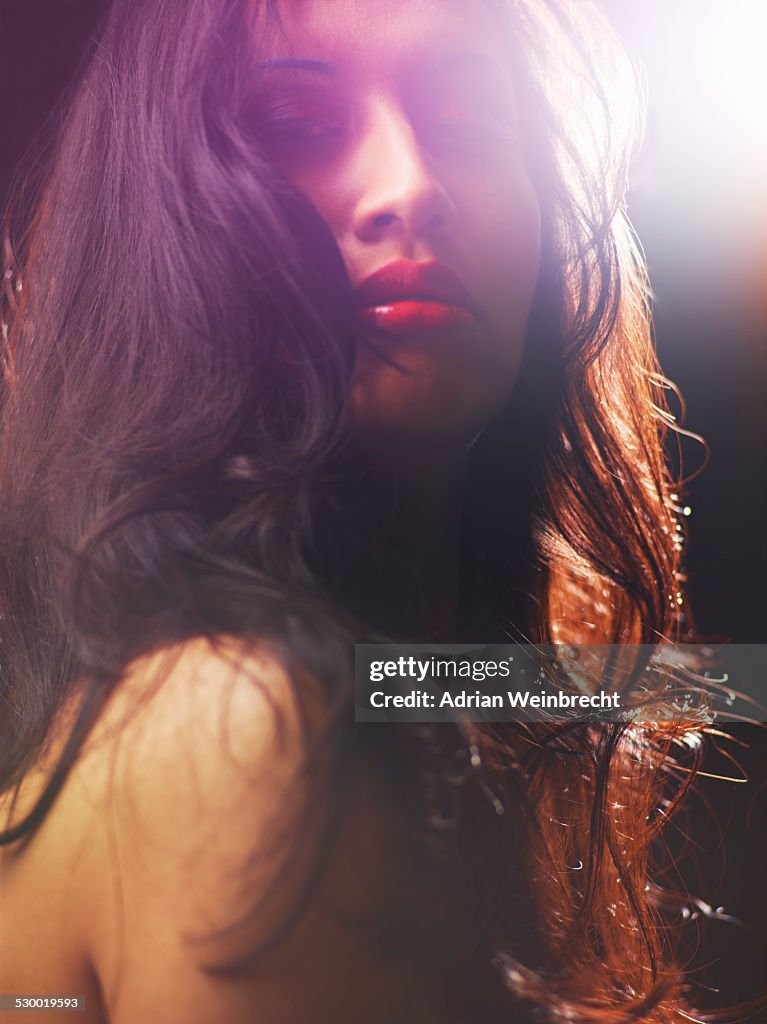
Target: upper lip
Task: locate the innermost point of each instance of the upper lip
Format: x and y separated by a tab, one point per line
430	282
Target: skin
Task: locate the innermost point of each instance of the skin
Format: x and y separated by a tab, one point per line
408	147
173	823
406	141
166	820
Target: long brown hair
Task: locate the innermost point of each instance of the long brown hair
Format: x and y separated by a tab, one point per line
176	364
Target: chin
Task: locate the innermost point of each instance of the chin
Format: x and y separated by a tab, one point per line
406	425
436	396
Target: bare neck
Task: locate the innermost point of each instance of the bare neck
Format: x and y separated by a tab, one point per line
408	511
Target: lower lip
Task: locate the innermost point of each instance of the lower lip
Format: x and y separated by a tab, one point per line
411	315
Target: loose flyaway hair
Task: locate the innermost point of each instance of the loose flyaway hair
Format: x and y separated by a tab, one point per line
173	426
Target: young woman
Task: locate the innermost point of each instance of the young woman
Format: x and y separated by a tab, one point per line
328	328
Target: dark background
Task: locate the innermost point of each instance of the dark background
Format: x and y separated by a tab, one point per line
699	203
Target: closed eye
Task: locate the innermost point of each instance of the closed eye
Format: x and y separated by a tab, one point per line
294	123
299	129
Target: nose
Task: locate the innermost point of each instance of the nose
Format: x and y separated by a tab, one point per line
400	194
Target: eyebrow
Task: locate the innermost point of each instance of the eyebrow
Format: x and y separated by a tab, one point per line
317	67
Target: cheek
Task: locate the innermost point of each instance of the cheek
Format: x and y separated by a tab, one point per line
507	218
506	229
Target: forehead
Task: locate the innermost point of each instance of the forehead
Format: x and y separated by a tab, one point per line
381	34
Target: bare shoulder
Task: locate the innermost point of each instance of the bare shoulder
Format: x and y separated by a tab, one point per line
202	765
193	728
203	716
193	792
187	833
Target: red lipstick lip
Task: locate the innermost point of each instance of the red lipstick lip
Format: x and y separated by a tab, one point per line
386	296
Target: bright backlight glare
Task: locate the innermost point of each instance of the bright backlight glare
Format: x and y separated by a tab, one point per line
741	36
703	171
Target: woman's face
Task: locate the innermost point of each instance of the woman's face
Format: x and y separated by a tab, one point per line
397	119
